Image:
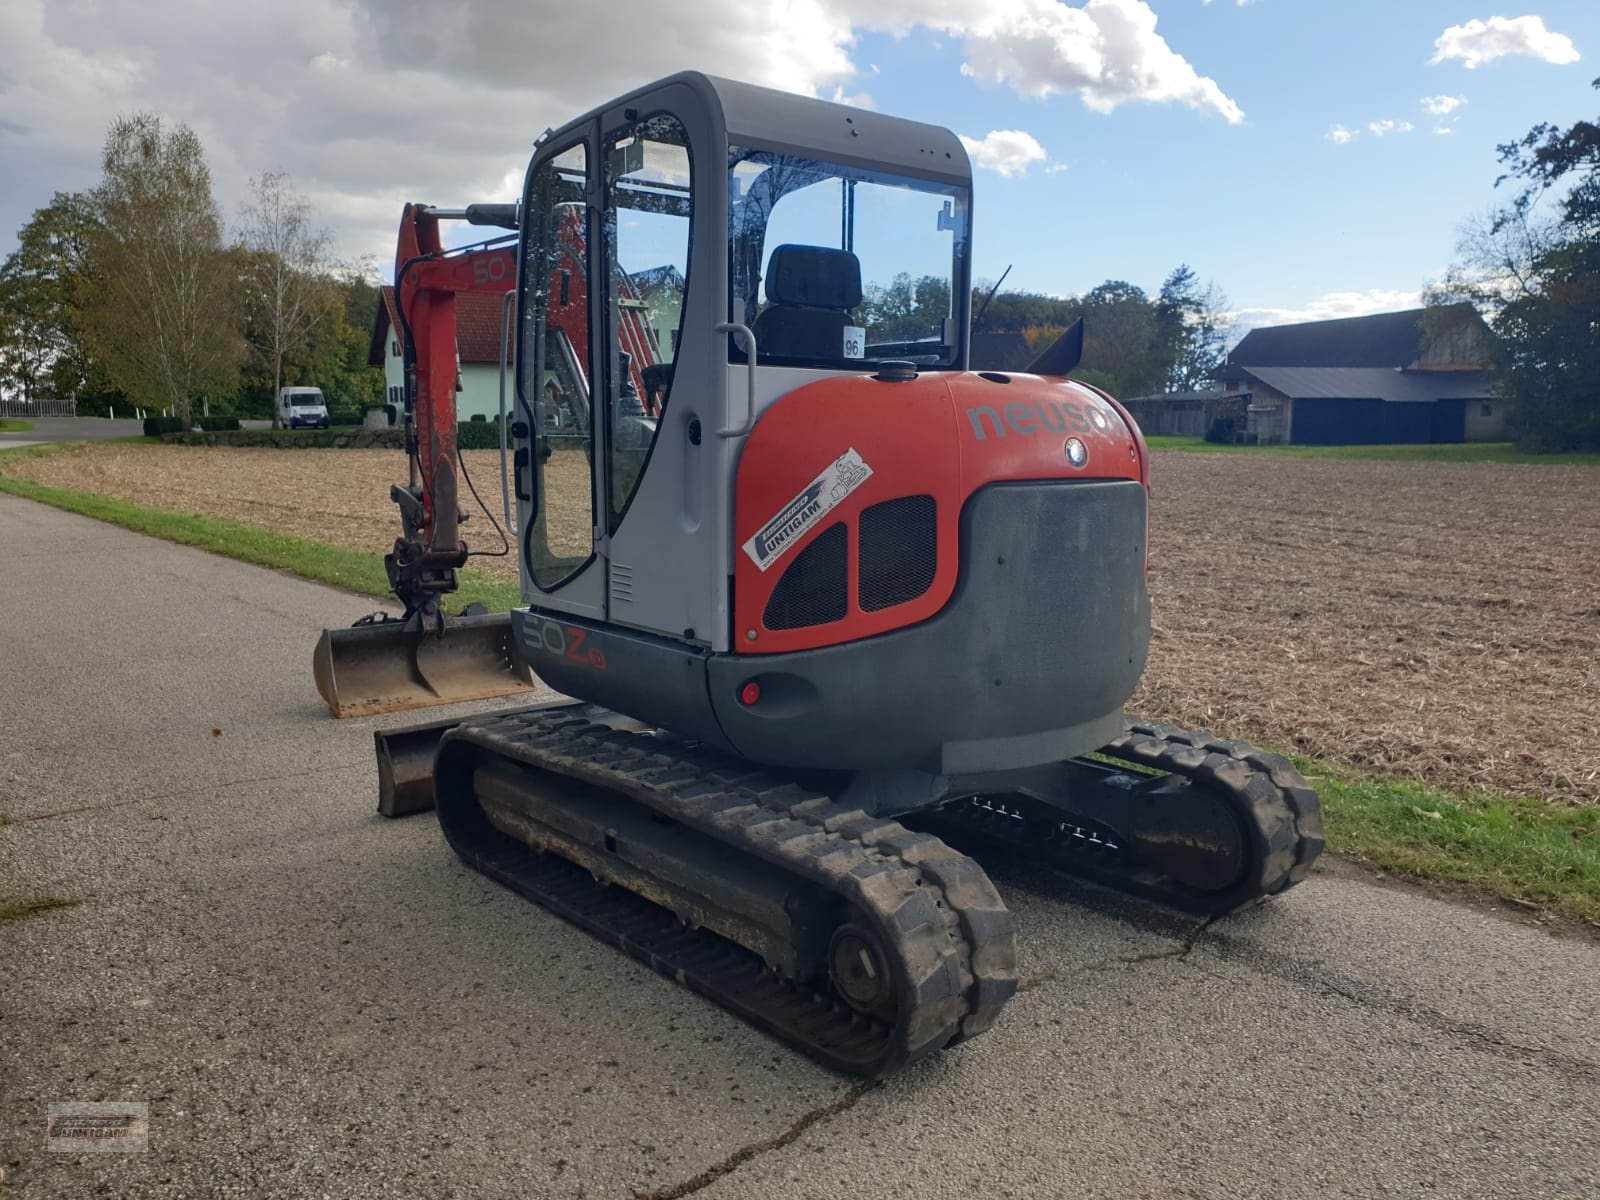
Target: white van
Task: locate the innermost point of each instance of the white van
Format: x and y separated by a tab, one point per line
302	408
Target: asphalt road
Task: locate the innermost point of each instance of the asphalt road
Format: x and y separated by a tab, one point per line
316	1002
70	429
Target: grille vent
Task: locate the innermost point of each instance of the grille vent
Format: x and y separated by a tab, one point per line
815	588
899	551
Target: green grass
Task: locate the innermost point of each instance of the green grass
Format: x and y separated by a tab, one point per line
18	908
354	570
1540	853
8	426
1469	452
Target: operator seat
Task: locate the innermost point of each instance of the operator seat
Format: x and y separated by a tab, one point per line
810	292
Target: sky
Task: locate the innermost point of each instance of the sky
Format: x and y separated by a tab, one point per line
1312	158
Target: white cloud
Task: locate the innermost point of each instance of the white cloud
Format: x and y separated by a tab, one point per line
1340	136
1444	130
1007	152
1442	106
1056	168
370	103
1330	307
1107	52
1478	42
854	99
1380	128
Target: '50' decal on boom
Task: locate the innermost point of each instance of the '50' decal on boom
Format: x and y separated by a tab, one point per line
493	268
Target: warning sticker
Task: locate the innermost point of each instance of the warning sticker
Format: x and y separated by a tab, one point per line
841	477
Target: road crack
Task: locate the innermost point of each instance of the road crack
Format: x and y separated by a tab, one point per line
753	1150
1180	951
1315	978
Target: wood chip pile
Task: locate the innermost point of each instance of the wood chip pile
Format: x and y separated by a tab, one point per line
1437	620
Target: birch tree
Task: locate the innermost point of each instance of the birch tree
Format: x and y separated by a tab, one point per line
287	283
160	311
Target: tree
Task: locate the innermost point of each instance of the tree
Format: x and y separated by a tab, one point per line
1014	312
286	282
160	312
35	297
1192	328
1538	277
335	357
28	336
1120	340
40	325
1132	345
907	310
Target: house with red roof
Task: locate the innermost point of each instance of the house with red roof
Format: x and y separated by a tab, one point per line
477	346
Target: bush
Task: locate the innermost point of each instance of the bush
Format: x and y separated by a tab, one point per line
156	426
478	435
217	424
479	417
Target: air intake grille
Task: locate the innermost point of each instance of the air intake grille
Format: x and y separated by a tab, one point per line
899	551
815	588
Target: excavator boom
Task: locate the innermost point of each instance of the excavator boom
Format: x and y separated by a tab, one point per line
423	658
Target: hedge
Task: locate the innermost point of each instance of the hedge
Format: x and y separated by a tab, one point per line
159	426
337	438
478	434
470	435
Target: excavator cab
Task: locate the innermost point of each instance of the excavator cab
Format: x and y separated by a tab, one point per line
722	246
777	556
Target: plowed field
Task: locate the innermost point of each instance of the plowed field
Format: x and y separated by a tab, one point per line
1439	620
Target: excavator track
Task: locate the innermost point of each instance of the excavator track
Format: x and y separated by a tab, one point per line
919	952
1276	822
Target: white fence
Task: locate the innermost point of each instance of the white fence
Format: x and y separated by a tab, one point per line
38	408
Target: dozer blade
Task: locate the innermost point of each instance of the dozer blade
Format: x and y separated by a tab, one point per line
384	667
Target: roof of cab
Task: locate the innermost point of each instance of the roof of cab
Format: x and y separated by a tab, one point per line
767	117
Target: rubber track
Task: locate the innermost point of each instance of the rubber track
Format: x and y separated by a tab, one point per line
1279	812
934	908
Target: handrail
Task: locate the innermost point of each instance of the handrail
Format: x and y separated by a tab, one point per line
505	474
748	337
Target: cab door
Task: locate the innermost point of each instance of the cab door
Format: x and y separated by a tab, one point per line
623	500
560	460
663	504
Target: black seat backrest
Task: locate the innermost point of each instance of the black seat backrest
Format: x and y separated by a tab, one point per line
810	292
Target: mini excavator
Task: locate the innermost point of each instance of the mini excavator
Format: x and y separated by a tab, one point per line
829	610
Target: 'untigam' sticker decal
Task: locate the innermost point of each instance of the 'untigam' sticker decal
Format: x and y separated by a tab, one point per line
841	477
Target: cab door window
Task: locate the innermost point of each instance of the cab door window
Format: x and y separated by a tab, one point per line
556	372
648	213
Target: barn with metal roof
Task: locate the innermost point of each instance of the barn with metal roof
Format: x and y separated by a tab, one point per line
1415	376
